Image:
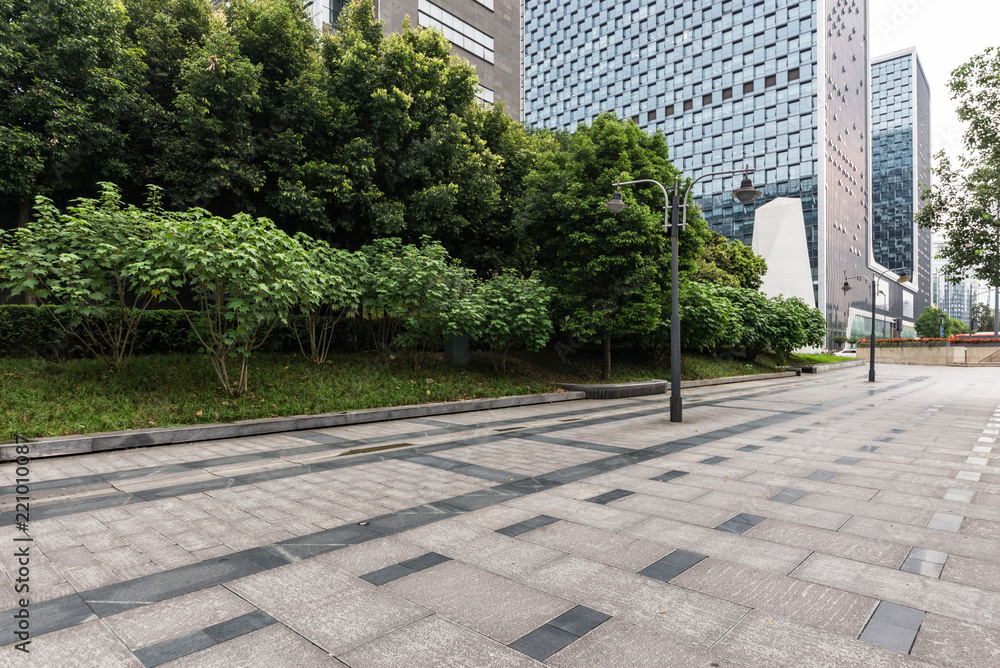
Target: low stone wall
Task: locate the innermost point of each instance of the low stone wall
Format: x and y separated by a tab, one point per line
935	355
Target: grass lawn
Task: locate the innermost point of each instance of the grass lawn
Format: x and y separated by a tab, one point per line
41	398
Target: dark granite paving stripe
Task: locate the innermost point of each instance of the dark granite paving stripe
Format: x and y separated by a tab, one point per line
474	470
608	497
542	438
672	565
73	609
741	523
893	626
749	448
821	475
788	495
714	460
669	475
402	569
536	522
868	448
849	461
169	650
549	638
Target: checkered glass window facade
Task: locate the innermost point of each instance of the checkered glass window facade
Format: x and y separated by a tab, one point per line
892	161
728	83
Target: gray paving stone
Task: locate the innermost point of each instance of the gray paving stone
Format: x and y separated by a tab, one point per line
271	646
419	645
944	641
744	549
821	475
741	523
889	636
176	617
764	640
607	547
698	618
808	603
90	645
788	495
495	606
617	644
933	595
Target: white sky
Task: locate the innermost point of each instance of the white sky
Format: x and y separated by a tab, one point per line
946	34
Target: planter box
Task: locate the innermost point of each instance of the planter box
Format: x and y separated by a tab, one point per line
932	354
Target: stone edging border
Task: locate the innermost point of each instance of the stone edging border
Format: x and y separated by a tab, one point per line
818	368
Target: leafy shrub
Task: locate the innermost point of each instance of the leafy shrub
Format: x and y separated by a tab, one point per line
329	287
243	273
88	266
415	296
516	315
163	331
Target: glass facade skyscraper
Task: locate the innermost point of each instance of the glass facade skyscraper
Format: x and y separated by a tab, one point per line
779	85
901	162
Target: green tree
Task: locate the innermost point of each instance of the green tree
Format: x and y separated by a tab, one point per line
729	263
982	317
757	322
68	76
928	324
608	269
964	202
794	324
407	134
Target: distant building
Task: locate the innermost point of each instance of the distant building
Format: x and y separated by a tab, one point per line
901	163
487	33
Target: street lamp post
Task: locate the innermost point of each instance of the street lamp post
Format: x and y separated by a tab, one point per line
873	281
745	194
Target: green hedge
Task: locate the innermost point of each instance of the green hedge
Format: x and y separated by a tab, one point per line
29	331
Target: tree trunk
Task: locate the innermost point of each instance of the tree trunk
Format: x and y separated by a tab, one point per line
24	215
606	375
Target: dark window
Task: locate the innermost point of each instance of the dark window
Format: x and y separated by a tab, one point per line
688	105
793	74
669	111
770	81
748	87
652	116
727	93
635	119
706	99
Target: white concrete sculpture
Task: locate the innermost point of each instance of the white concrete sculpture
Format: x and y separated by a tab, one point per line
779	235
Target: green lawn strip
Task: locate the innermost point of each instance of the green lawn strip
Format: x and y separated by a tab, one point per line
40	398
818	359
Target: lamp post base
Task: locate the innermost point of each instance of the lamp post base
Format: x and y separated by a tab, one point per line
675	409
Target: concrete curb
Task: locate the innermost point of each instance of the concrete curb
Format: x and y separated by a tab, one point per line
625	390
120	440
819	368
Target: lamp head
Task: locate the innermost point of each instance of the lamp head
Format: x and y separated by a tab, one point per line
616	204
746	193
903	276
847	286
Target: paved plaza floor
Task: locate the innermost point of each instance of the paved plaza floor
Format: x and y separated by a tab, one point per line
813	521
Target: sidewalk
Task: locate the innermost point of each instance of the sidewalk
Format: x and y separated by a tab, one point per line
820	520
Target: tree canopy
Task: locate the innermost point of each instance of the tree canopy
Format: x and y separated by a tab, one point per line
964	202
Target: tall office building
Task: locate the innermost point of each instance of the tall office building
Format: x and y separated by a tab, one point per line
901	163
779	85
487	33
